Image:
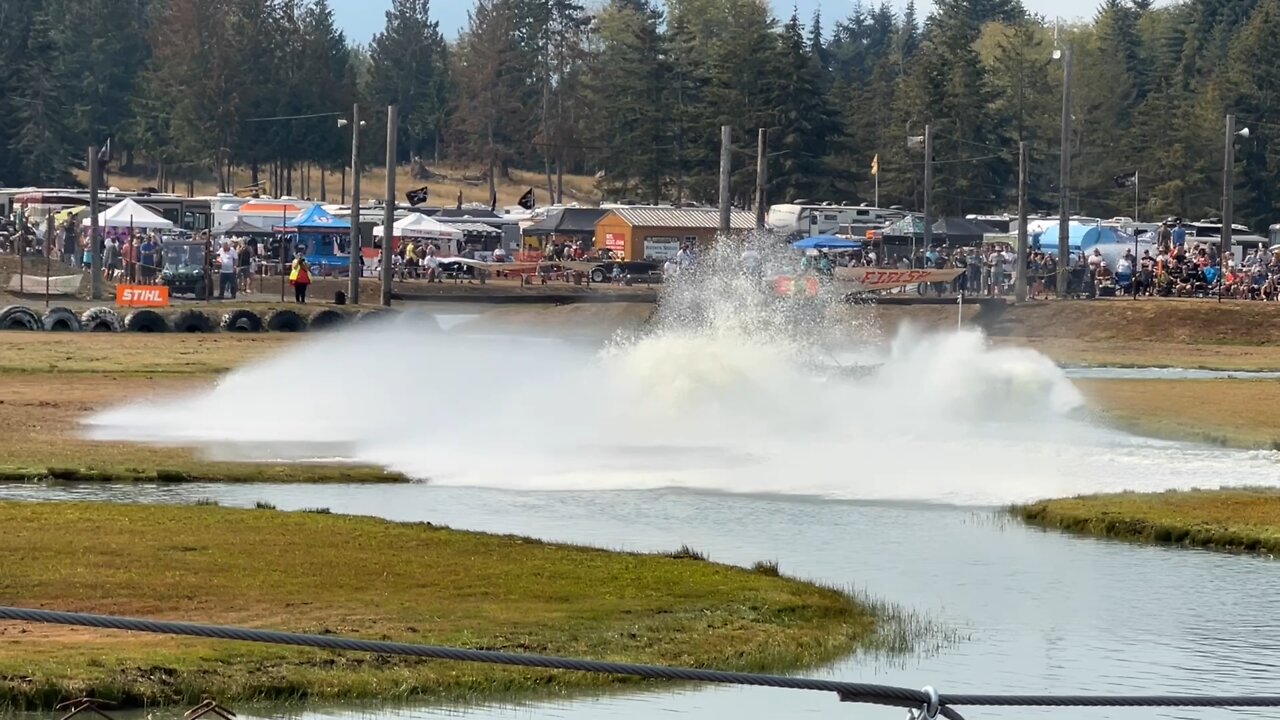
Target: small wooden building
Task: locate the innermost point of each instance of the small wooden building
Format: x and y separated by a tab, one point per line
656	233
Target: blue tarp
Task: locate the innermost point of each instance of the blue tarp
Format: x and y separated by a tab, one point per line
826	242
316	220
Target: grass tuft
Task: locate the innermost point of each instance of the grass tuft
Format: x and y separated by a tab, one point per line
206	502
687	553
317	511
766	567
263	505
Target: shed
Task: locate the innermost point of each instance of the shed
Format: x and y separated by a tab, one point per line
657	232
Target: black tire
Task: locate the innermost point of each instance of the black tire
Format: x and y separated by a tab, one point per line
286	321
17	317
598	275
192	321
327	320
61	319
242	321
145	321
101	319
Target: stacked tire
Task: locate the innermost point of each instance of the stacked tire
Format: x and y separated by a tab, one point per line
17	317
101	319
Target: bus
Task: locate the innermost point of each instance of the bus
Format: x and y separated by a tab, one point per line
191	214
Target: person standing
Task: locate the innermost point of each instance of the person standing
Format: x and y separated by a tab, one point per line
227	259
244	263
300	278
147	260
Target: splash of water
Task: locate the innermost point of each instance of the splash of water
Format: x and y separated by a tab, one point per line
728	389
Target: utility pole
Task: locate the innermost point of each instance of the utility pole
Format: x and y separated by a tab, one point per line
95	249
1064	179
762	175
1020	278
389	209
1228	190
353	245
726	167
928	187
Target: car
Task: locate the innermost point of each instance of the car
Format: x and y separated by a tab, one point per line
604	271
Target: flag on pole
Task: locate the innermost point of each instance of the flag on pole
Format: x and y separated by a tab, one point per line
527	201
418	196
1126	181
875	165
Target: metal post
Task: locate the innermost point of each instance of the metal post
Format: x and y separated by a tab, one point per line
95	250
48	255
726	167
389	210
928	188
762	175
1020	278
1228	191
1064	179
353	245
1136	219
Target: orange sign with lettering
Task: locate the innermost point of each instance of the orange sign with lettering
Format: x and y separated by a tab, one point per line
142	296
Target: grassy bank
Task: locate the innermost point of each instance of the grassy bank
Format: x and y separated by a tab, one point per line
1239	520
1226	413
52	381
319	573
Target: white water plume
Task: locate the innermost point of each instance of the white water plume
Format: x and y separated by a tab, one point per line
728	389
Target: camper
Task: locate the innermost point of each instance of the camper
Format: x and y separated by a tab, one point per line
805	219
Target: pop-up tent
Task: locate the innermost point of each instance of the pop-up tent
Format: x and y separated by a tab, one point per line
826	242
417	225
315	220
128	213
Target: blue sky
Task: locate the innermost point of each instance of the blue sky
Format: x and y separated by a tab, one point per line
360	19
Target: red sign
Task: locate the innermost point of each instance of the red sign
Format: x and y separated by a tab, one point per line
142	296
615	241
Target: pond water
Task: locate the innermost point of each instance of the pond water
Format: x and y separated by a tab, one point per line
1031	611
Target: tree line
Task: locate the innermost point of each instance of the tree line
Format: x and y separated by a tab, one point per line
634	92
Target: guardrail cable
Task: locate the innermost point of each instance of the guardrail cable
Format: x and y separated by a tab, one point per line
925	704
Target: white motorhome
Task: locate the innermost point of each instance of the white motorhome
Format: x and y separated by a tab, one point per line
800	218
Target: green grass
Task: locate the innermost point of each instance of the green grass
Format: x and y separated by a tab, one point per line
361	577
1245	520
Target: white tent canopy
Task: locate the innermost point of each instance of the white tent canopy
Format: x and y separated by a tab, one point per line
128	213
417	225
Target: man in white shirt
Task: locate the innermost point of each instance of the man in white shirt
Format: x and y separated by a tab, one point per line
226	271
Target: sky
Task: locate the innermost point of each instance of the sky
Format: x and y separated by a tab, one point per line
360	19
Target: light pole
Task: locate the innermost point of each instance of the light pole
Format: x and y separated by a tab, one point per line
1228	187
353	245
1064	178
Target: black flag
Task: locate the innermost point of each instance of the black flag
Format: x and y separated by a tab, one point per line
527	201
1126	181
419	196
459	198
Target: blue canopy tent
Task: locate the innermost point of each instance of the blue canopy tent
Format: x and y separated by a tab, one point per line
827	242
323	239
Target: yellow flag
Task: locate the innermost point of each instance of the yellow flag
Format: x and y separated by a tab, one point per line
875	165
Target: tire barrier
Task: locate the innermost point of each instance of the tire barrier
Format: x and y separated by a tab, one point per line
242	321
60	319
17	317
146	321
192	321
286	321
327	320
101	319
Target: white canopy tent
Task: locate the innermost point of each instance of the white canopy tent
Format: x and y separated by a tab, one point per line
417	225
128	213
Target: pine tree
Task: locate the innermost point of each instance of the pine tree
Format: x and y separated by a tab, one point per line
629	91
806	124
409	68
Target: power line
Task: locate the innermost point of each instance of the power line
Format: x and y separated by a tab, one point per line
295	117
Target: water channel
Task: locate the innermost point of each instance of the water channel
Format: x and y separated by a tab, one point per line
892	487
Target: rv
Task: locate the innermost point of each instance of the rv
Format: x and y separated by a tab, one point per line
806	220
